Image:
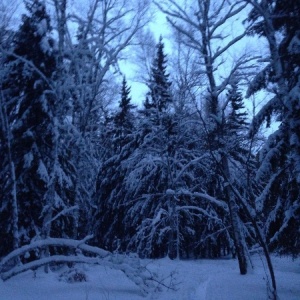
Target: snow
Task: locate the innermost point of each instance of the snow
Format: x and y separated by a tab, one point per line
191	279
42	27
42	171
45	45
28	158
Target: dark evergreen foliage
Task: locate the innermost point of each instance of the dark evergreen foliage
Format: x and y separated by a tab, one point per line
281	153
237	119
108	218
159	96
124	118
31	65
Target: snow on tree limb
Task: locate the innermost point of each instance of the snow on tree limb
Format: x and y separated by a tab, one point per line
264	114
49	242
207	197
31	65
65	211
47	260
129	265
137	274
200	210
259	81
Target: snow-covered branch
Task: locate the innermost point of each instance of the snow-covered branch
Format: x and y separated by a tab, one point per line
130	266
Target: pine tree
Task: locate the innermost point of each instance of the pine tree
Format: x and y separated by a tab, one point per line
28	84
109	215
124	119
159	96
235	129
279	169
237	120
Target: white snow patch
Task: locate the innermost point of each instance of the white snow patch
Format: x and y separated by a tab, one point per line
42	171
28	158
45	46
42	27
193	280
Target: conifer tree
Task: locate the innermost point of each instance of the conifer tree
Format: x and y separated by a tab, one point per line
32	65
124	118
159	96
110	213
279	160
236	127
155	221
237	118
116	195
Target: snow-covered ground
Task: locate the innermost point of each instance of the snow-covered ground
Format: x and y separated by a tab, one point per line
191	279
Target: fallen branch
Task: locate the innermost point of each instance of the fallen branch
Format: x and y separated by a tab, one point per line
129	265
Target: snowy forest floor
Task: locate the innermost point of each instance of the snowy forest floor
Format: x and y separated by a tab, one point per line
192	279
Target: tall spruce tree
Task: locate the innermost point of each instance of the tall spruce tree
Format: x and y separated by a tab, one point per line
160	219
118	194
124	118
279	170
32	64
237	120
159	96
235	129
108	217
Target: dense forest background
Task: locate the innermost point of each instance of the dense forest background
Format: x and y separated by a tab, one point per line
188	173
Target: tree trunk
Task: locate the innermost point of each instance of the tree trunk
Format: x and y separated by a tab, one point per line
173	240
259	235
238	237
14	200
